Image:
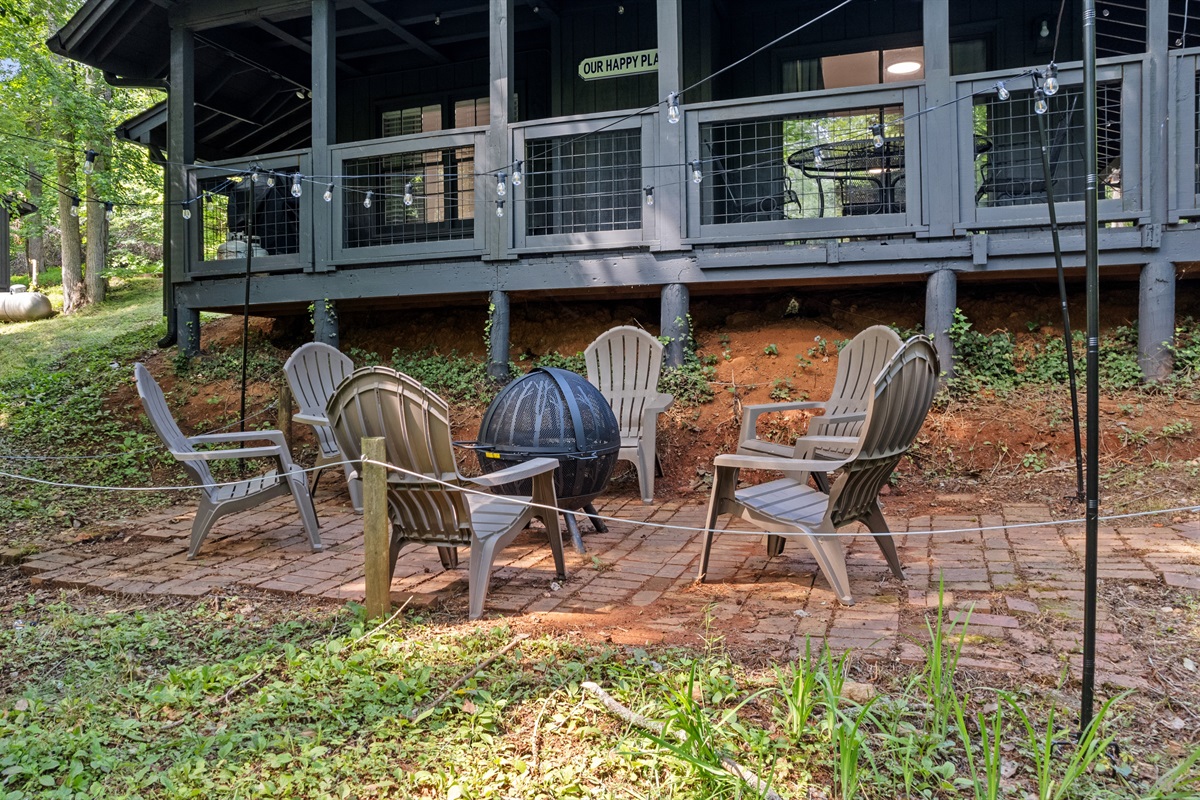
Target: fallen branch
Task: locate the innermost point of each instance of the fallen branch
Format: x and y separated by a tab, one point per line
659	729
419	713
383	624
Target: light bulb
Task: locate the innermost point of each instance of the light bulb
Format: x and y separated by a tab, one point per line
108	211
328	193
877	139
89	161
74	206
1002	91
187	212
697	173
499	208
673	108
254	174
297	189
1051	82
437	19
649	190
270	179
501	185
369	199
1039	104
517	176
300	93
408	197
818	158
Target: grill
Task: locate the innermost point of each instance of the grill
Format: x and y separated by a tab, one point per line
553	413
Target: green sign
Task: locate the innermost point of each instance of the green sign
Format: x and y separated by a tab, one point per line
635	62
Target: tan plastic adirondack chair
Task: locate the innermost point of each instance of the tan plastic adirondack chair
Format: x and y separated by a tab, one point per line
313	373
896	408
415	423
217	501
624	364
859	363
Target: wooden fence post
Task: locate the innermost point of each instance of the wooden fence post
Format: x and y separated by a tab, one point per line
376	533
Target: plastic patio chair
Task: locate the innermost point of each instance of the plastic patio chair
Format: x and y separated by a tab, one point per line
858	364
218	500
424	504
313	372
624	364
897	405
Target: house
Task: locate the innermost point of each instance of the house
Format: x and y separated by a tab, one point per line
367	152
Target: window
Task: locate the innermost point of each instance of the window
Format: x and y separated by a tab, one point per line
854	69
407	121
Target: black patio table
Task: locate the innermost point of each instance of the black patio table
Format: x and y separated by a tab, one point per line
866	175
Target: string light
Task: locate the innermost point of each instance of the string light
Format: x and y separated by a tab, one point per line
517	176
499	208
297	190
697	174
408	195
501	184
818	157
74	206
187	212
254	174
1040	105
369	199
649	190
270	180
89	161
108	211
1002	91
328	193
1051	83
877	138
673	108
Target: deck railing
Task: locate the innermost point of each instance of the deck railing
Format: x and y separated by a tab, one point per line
407	197
1185	136
584	182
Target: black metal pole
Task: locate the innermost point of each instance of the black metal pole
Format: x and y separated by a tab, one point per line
1062	299
246	300
1092	261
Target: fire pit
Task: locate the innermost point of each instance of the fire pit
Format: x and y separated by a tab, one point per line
553	413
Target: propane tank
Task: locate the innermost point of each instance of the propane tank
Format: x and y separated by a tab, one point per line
235	247
19	305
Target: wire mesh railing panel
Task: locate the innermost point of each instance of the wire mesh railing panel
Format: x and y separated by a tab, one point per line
584	185
407	198
1008	162
803	167
235	214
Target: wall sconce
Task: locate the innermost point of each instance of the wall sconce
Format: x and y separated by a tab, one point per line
1043	35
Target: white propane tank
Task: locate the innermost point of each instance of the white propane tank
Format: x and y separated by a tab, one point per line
19	305
235	247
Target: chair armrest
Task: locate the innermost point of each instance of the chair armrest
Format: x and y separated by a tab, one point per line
517	472
244	452
274	437
311	419
750	414
659	402
778	464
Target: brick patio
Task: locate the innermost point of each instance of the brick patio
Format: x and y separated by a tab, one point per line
1023	586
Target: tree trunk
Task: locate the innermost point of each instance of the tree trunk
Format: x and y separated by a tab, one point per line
74	292
97	224
35	245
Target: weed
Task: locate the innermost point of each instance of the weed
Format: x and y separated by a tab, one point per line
781	389
1034	462
1180	429
820	349
771	350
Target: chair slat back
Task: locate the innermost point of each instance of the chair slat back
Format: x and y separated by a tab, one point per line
163	421
896	410
859	363
313	372
415	425
624	364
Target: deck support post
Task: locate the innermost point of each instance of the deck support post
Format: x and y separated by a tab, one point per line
674	323
324	128
325	323
941	297
667	215
181	144
499	327
1156	320
497	153
189	330
5	270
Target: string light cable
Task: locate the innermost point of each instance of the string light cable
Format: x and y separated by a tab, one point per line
635	522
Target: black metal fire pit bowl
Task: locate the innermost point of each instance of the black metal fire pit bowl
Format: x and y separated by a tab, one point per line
553	413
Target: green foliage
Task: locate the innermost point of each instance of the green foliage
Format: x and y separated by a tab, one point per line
461	380
771	350
691	384
982	360
575	363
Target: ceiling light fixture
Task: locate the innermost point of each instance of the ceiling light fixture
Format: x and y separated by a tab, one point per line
904	67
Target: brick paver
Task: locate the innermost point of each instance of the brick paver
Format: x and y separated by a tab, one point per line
1018	589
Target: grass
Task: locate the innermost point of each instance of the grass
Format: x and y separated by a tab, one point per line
242	698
